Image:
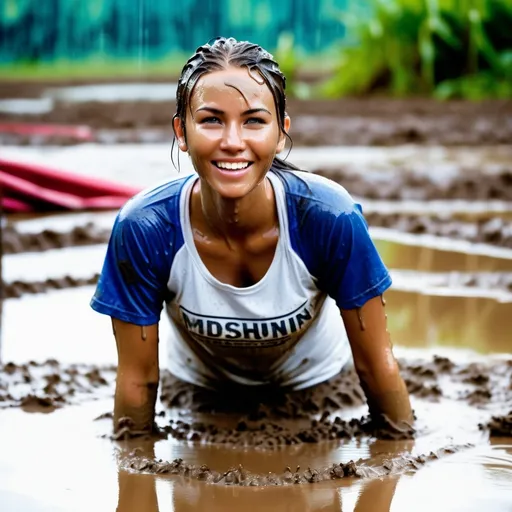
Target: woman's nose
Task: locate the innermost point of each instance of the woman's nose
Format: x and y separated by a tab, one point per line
232	138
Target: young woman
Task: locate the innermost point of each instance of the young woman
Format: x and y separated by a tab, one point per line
268	274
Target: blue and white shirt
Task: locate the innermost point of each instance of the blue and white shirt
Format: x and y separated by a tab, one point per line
286	329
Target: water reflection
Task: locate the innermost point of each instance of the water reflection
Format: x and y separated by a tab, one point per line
430	254
426	321
140	493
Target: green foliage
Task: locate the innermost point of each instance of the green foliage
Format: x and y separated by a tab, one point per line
445	48
289	60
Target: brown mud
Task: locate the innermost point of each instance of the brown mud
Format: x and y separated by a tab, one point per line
349	121
241	477
48	385
403	183
261	417
496	231
15	242
17	289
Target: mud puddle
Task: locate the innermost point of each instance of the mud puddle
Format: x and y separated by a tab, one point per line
351	471
477	474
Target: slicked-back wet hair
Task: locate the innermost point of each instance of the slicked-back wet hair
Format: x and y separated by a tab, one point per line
222	53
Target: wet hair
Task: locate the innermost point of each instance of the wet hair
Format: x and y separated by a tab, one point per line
221	53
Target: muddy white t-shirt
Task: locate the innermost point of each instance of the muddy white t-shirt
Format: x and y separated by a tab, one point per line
286	329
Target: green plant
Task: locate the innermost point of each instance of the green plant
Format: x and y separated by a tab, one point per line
287	55
445	48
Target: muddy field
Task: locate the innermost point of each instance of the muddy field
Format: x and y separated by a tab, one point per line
445	231
376	121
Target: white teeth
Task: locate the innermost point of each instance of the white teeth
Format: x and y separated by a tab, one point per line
232	165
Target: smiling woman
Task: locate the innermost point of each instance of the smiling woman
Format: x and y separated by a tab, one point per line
267	274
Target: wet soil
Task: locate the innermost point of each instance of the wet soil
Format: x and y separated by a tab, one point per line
405	182
496	231
262	417
349	121
48	385
241	477
14	241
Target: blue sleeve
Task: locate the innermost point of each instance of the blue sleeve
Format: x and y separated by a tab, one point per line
330	235
133	282
353	271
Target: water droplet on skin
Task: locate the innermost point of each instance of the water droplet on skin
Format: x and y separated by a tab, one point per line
361	320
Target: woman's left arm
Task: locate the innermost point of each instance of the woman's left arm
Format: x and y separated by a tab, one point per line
375	363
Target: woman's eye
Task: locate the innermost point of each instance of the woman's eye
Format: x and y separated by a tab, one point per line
211	119
255	120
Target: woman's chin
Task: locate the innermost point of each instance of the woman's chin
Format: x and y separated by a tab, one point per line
233	189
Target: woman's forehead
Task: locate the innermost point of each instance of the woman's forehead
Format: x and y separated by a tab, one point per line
230	85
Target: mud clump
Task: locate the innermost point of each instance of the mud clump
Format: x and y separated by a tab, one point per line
17	289
14	242
49	385
401	184
272	434
499	426
266	402
241	477
494	231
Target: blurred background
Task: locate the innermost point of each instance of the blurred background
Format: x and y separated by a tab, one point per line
446	48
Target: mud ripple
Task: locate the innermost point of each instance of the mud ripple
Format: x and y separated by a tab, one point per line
241	477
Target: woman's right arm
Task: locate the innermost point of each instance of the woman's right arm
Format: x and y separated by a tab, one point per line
137	377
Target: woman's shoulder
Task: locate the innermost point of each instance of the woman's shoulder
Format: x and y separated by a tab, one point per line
157	205
308	190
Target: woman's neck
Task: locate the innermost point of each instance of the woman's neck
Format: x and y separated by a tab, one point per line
237	218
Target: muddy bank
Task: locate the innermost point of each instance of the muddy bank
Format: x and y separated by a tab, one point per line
241	477
48	385
15	241
314	408
415	183
17	289
495	231
375	121
499	426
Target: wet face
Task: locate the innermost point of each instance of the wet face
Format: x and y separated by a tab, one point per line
232	131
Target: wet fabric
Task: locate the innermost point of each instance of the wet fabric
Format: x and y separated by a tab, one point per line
285	329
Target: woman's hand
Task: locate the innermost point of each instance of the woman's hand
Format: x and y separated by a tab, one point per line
375	363
137	378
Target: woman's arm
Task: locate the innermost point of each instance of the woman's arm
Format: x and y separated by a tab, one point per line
137	376
375	363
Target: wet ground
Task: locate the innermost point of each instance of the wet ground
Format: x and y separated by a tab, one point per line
141	113
442	220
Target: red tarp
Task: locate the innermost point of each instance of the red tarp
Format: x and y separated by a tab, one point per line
32	188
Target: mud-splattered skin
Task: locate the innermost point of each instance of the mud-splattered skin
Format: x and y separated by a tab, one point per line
375	363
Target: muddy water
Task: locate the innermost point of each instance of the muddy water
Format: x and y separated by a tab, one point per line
76	469
470	479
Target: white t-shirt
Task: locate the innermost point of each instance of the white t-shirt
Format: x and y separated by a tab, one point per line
285	329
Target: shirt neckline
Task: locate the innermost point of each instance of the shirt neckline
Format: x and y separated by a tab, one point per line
188	237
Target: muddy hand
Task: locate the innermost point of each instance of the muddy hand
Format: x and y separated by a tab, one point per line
124	430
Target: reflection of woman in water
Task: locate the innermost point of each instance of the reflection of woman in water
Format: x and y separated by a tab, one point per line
252	259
